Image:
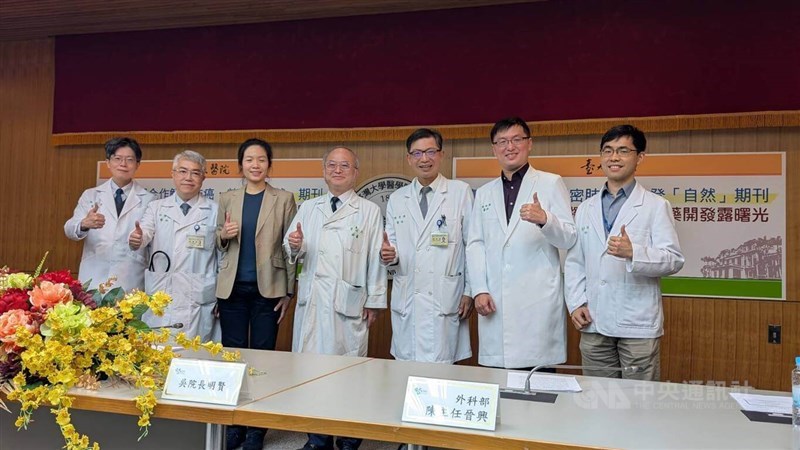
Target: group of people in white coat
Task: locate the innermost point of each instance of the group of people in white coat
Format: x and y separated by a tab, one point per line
498	252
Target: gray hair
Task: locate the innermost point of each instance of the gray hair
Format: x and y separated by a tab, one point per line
189	155
329	151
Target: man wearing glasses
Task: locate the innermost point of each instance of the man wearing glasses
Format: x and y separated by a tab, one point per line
179	232
519	222
425	242
626	243
342	285
104	217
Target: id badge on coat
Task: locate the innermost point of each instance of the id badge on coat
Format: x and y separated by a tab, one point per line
195	241
439	239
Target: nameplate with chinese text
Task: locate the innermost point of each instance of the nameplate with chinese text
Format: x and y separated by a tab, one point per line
198	380
451	403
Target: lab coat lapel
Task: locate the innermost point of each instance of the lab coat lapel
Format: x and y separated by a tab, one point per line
525	195
629	210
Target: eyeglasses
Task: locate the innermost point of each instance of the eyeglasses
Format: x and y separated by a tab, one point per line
430	153
621	151
331	166
185	173
119	160
516	142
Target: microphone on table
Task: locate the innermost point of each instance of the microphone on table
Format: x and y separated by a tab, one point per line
176	326
548	397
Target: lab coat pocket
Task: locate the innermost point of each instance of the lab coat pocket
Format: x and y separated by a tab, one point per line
304	288
400	299
448	294
637	305
157	281
349	300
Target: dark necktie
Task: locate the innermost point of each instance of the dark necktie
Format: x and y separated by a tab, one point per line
423	200
185	208
119	201
334	200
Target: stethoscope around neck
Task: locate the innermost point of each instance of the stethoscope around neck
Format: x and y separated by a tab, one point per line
153	257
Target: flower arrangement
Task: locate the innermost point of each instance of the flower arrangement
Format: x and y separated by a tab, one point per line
55	335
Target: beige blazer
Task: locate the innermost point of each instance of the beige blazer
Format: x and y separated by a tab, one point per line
276	274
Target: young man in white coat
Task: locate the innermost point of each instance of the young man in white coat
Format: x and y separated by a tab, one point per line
519	222
180	232
626	243
425	243
104	217
342	285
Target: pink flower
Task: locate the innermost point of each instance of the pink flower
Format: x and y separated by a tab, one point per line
9	322
48	294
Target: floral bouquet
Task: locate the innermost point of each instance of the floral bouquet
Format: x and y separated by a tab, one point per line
55	335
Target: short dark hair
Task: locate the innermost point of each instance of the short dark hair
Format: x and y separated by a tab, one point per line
636	135
114	144
507	123
424	133
255	141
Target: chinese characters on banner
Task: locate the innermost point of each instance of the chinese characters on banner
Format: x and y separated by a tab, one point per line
303	177
729	210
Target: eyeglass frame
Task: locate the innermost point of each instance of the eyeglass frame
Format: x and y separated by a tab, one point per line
430	152
129	160
619	151
519	142
184	173
345	166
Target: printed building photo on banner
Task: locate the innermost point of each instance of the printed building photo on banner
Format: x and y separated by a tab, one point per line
729	210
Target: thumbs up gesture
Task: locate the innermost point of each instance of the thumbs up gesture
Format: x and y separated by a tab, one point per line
135	238
533	212
388	253
93	219
296	238
620	246
229	229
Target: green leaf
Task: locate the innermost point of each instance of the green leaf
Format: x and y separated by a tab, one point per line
138	325
138	310
112	296
41	264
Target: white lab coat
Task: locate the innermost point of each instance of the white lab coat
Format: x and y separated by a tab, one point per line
105	250
518	264
342	274
624	297
192	276
429	280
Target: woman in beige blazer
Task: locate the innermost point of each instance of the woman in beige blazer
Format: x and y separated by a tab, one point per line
255	279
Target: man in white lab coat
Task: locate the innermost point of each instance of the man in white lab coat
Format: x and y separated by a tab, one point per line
342	285
519	222
425	243
104	217
626	243
179	231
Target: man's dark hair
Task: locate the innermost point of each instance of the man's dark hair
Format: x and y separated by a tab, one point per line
117	143
423	133
507	123
636	135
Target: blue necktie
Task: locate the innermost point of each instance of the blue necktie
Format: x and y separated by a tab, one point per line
185	208
334	200
119	201
423	200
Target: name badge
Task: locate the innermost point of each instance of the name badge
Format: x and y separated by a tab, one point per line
205	381
439	239
452	403
195	241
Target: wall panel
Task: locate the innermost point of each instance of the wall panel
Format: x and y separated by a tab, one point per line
706	339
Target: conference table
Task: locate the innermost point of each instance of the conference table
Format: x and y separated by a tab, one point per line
363	397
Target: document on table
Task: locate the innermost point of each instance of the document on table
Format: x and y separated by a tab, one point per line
763	403
539	382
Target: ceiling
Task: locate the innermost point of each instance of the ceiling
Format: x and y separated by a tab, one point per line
33	19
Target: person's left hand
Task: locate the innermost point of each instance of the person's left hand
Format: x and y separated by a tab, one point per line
283	305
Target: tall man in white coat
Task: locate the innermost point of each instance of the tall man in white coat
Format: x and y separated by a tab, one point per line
342	285
104	217
519	222
179	231
626	243
425	243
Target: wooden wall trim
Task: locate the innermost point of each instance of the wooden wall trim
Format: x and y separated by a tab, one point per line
661	124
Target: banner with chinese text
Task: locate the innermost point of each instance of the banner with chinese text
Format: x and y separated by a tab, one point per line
729	210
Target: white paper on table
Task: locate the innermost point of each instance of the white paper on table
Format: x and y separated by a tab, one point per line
540	382
763	403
